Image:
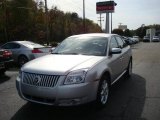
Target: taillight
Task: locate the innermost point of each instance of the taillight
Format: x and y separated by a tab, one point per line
7	53
36	50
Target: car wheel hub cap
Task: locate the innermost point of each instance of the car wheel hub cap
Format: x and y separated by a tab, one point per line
104	92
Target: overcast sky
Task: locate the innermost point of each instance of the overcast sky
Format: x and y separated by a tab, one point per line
132	13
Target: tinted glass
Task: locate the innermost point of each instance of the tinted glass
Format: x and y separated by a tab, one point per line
31	44
113	43
120	41
11	46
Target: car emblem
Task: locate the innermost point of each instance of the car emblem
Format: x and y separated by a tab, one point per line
37	79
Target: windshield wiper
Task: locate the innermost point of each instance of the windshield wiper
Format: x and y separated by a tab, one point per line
71	53
55	53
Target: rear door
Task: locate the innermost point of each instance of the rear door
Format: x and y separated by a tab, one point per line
124	55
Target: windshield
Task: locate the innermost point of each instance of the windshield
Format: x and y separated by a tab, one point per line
83	45
31	44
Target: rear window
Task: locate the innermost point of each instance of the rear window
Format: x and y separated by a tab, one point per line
31	44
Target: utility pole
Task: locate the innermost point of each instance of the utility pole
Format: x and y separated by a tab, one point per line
84	23
100	20
47	29
111	22
120	24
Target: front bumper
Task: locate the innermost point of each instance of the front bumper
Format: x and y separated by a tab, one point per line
60	95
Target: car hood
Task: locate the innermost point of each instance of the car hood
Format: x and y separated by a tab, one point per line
60	64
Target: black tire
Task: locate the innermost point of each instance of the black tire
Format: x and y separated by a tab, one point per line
103	92
22	60
129	69
2	71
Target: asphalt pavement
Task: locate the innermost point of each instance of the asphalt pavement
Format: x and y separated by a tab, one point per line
134	98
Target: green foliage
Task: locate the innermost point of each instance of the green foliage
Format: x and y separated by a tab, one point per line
141	31
118	31
127	33
25	19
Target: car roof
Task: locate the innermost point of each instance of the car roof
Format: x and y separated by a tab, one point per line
94	35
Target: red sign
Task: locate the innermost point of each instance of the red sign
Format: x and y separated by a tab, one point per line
105	7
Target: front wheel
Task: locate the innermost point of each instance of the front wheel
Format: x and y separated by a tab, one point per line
129	69
103	92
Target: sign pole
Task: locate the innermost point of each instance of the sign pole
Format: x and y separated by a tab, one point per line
107	22
84	21
106	7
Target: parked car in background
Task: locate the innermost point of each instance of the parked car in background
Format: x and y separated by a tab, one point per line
128	40
133	41
136	39
24	51
80	70
146	39
155	39
6	60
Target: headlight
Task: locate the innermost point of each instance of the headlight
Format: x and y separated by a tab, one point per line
75	77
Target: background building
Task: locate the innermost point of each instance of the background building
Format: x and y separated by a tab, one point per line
151	32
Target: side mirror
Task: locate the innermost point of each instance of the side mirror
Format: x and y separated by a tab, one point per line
116	50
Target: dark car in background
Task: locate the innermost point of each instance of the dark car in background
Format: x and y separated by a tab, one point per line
6	60
24	51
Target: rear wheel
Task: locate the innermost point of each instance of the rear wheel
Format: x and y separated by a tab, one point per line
103	92
22	60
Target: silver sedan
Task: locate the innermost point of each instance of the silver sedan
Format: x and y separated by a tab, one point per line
80	70
24	51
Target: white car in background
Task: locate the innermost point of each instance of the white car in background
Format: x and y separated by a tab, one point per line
136	39
155	39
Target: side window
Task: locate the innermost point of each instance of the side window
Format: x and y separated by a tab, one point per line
120	42
113	43
15	46
7	46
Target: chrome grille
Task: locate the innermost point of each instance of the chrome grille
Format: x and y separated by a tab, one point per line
40	79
